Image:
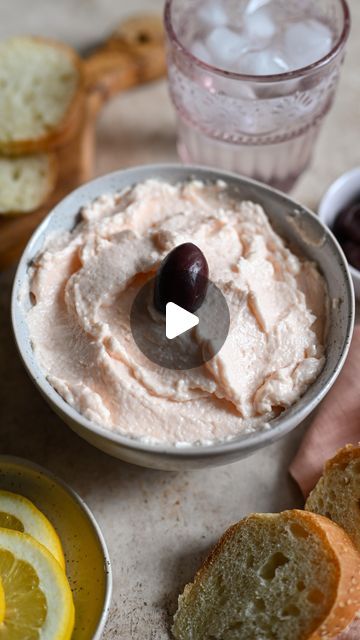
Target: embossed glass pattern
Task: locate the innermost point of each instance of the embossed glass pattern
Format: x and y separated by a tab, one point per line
260	126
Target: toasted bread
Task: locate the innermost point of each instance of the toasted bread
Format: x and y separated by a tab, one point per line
337	493
40	95
26	182
288	576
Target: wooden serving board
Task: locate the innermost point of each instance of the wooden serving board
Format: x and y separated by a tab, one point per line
134	54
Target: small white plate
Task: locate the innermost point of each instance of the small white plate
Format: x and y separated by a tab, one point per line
87	560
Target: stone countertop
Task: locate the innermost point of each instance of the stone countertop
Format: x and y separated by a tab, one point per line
158	525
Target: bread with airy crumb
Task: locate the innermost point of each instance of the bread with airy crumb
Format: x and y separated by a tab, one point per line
288	576
26	182
40	95
337	493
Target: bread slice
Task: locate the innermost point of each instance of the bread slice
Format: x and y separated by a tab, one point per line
40	95
288	576
337	493
26	182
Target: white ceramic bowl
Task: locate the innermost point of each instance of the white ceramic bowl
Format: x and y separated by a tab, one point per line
301	228
341	193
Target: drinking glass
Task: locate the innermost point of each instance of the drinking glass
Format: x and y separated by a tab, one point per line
262	126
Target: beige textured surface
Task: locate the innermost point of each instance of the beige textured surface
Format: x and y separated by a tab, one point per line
158	525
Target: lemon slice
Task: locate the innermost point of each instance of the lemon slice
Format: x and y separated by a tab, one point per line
18	513
2	603
38	599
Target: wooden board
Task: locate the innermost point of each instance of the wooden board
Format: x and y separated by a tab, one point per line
133	54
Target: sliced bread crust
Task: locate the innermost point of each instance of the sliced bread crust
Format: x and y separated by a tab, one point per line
337	493
41	95
235	586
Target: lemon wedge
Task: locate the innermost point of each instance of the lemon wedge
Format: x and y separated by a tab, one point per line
38	599
19	514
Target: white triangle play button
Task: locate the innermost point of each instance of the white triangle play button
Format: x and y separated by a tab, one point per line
178	320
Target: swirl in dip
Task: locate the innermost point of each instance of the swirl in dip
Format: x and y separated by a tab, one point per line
83	284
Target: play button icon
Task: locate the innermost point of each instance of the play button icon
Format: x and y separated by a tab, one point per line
178	320
178	339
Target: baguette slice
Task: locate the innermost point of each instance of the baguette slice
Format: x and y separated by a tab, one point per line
26	182
288	576
40	95
337	493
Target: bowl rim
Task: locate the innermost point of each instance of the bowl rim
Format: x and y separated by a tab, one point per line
339	184
23	462
335	50
241	443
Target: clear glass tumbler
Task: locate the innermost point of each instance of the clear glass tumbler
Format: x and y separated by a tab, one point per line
262	126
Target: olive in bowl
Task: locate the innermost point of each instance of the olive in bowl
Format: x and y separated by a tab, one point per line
339	209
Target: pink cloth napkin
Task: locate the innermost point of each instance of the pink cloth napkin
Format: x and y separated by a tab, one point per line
351	633
337	423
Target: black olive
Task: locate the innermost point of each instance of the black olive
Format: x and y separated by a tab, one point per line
347	223
352	252
182	278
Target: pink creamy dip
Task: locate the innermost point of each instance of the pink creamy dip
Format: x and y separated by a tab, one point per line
83	283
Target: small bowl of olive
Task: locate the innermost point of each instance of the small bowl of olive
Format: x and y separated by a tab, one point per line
339	209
